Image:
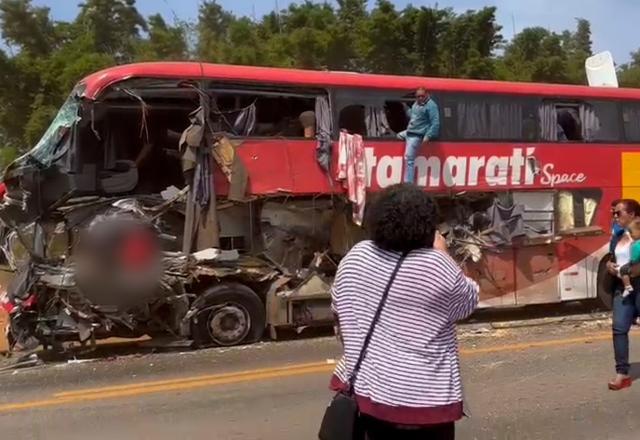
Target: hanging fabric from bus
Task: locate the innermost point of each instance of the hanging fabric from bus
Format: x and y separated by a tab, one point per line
352	172
323	129
506	222
225	154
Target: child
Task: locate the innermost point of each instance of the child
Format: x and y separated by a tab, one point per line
634	251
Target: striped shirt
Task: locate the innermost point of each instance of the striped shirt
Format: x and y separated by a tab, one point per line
411	372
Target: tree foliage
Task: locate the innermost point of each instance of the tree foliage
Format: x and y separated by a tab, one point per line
43	58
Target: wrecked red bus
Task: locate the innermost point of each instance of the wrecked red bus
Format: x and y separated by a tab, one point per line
524	176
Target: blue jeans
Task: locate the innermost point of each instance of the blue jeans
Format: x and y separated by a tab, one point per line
625	311
411	149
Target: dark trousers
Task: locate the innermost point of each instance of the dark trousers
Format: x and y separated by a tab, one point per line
378	430
625	311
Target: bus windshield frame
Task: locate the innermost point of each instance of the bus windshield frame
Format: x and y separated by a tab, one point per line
54	143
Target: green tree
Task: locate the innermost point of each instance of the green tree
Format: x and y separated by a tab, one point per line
243	45
115	26
425	28
347	42
386	51
535	54
168	43
26	27
213	31
578	50
629	75
467	44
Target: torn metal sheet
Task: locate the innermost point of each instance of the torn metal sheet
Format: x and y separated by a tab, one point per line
212	254
293	232
246	267
313	287
276	306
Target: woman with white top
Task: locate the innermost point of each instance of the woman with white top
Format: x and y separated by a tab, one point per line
625	308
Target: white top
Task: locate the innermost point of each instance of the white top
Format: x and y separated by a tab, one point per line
623	250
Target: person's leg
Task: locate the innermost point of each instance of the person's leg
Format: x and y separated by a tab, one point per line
411	148
379	430
375	429
446	431
624	312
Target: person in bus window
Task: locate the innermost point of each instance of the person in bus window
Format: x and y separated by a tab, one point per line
308	121
424	126
625	308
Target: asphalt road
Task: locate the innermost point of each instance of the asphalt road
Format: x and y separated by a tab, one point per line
530	383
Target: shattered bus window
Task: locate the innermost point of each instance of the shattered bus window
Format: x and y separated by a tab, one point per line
51	144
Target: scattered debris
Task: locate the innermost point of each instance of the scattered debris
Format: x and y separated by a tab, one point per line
26	361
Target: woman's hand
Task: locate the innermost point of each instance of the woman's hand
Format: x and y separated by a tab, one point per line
439	243
612	268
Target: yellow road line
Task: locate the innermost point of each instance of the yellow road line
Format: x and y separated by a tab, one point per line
239	376
182	384
137	390
549	343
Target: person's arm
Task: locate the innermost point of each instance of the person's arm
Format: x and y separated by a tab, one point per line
464	297
434	121
625	269
335	295
464	292
407	110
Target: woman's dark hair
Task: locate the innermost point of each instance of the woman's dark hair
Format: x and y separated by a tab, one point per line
402	218
631	206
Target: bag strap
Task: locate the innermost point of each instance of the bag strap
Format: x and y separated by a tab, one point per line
376	317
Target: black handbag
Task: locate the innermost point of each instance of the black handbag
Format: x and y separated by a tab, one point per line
340	421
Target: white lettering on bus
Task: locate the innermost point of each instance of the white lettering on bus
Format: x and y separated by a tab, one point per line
529	172
497	171
428	169
517	162
456	171
549	178
389	171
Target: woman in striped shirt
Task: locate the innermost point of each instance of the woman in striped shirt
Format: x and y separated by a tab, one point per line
409	385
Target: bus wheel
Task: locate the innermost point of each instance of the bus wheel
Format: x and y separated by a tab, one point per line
228	314
605	284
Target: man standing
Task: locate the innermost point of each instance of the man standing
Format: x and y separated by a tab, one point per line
424	126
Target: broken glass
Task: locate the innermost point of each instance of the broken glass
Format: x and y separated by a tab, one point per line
55	141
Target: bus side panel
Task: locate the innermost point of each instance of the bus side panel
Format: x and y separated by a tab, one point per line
494	273
536	274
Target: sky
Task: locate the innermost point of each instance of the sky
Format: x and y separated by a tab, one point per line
613	23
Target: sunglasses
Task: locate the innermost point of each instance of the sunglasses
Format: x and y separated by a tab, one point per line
421	96
617	213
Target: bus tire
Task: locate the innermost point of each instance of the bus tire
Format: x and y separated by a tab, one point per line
605	284
228	314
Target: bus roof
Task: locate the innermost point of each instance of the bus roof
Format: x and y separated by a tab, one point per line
99	81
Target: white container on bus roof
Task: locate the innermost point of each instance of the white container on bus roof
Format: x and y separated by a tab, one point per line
601	70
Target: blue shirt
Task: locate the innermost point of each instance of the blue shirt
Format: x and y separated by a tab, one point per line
424	120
